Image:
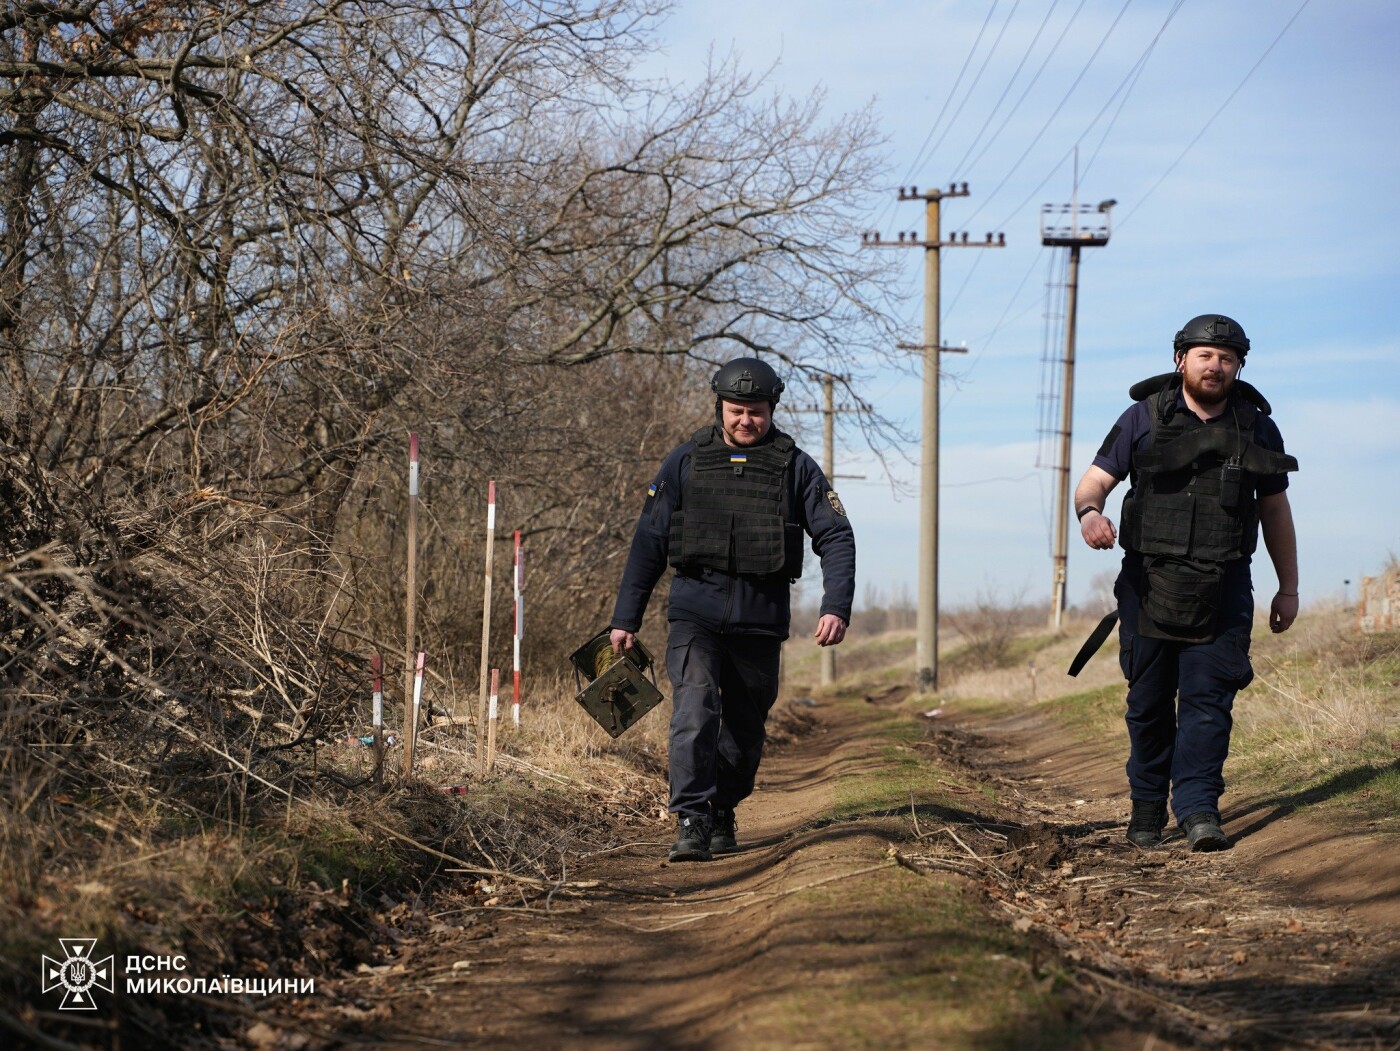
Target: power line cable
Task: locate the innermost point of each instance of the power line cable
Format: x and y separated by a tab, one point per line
984	344
919	157
959	168
1127	82
1050	119
1063	32
1136	74
1190	145
884	212
1052	336
972	88
987	481
966	278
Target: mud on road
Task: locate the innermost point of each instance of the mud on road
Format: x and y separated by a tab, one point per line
805	939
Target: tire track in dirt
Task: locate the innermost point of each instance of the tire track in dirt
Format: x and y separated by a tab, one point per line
1220	950
1176	949
659	955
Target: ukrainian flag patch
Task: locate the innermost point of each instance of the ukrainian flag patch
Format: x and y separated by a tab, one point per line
651	489
738	458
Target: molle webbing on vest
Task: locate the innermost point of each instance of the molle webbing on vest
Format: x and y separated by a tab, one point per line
1182	505
1221	441
734	510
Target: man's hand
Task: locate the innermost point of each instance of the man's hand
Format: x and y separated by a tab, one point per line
621	640
1092	491
1276	523
831	629
1097	531
1283	612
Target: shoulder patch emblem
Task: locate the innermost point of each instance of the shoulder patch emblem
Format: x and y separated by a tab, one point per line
835	502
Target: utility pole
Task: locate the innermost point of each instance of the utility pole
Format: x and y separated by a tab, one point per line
1071	226
926	631
828	411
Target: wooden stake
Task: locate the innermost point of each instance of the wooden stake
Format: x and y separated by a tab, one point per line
491	720
377	665
410	724
486	629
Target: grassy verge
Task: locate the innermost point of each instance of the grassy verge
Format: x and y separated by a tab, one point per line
1319	726
919	960
309	881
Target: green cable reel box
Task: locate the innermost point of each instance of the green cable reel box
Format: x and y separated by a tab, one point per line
618	692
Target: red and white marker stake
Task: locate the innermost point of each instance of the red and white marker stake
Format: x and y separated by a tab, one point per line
519	631
377	665
410	724
481	716
491	719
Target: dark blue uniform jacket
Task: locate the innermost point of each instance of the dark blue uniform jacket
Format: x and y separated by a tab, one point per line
739	604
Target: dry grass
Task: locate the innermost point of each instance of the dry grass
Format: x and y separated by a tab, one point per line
167	820
1324	707
1328	683
968	669
284	861
1325	704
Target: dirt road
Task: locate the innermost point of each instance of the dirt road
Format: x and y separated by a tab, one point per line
1000	907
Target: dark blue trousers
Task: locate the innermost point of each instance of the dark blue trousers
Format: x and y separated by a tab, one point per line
1180	698
722	688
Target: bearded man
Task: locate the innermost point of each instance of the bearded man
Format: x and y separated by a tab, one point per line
1208	471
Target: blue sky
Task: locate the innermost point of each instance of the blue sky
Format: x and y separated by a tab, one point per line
1283	214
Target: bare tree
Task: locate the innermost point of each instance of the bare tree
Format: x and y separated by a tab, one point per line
247	246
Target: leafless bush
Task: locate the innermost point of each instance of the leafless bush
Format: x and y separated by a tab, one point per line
987	627
245	249
881	612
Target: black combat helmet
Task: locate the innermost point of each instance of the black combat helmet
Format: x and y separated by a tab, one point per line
747	379
1215	330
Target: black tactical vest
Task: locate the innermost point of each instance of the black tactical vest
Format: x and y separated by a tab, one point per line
734	513
1194	506
1195	485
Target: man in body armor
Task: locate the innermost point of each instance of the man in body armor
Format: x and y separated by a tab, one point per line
730	511
1207	470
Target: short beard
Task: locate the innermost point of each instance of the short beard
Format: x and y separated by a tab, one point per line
1204	398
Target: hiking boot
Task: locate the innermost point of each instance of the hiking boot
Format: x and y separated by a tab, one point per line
1203	832
693	843
1146	825
722	840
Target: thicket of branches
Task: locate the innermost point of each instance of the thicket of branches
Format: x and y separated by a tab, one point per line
247	247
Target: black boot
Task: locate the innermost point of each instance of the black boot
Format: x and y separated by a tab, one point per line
722	836
693	842
1146	825
1203	832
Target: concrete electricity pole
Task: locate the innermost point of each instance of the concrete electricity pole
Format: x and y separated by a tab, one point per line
1071	226
828	412
927	622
